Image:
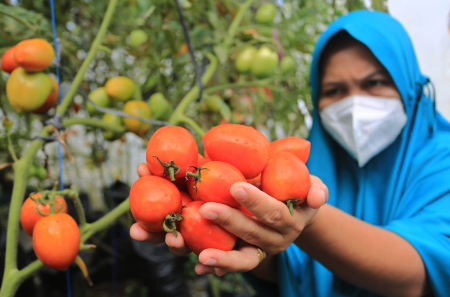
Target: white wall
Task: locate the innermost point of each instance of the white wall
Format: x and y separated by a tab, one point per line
428	24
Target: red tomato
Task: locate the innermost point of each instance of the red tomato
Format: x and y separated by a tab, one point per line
255	181
51	101
171	144
34	54
214	182
286	177
295	145
241	146
200	233
29	216
8	64
56	241
202	160
185	198
152	198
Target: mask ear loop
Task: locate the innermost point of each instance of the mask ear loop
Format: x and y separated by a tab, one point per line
431	95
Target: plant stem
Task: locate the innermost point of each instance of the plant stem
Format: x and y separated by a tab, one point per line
80	211
95	47
106	220
236	21
193	124
193	93
10	147
94	123
20	20
254	83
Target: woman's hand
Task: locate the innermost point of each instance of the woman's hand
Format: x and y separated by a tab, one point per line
273	229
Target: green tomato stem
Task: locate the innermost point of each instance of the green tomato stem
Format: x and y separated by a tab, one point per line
236	21
187	120
94	123
241	84
95	47
10	147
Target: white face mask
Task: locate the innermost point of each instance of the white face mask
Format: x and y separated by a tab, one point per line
364	125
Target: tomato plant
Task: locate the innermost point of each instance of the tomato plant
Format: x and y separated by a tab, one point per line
200	233
120	88
161	108
264	62
245	59
170	151
241	146
110	118
152	199
100	98
266	13
29	215
56	240
212	182
51	100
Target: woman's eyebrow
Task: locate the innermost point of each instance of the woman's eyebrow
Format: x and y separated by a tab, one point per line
381	71
367	77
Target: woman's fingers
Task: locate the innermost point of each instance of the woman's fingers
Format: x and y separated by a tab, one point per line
176	244
244	259
318	193
142	170
243	226
140	234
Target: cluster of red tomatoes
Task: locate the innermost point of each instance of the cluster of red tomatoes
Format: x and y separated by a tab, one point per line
56	236
28	88
182	180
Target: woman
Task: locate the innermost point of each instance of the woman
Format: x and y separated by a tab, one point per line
384	155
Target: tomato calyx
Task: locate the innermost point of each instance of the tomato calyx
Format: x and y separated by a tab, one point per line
43	198
169	168
169	222
197	176
293	203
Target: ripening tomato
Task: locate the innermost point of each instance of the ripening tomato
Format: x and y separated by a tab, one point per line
29	216
286	177
120	88
182	50
8	64
100	98
245	58
52	99
27	92
140	109
200	233
171	144
185	198
255	181
152	198
34	54
297	146
264	62
241	146
212	183
56	241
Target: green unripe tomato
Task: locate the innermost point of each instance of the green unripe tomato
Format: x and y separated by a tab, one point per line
137	37
41	172
33	171
161	108
245	59
287	64
212	104
264	63
114	120
266	13
100	98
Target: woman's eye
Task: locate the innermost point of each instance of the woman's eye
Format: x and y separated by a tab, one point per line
331	92
376	83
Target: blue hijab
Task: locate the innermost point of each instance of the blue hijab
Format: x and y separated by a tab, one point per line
405	188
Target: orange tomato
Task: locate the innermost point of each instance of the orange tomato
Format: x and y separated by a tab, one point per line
139	109
34	54
295	145
56	241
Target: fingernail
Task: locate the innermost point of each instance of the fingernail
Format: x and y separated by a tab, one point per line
324	196
210	261
210	216
240	194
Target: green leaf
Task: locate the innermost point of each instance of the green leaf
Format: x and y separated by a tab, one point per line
221	53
